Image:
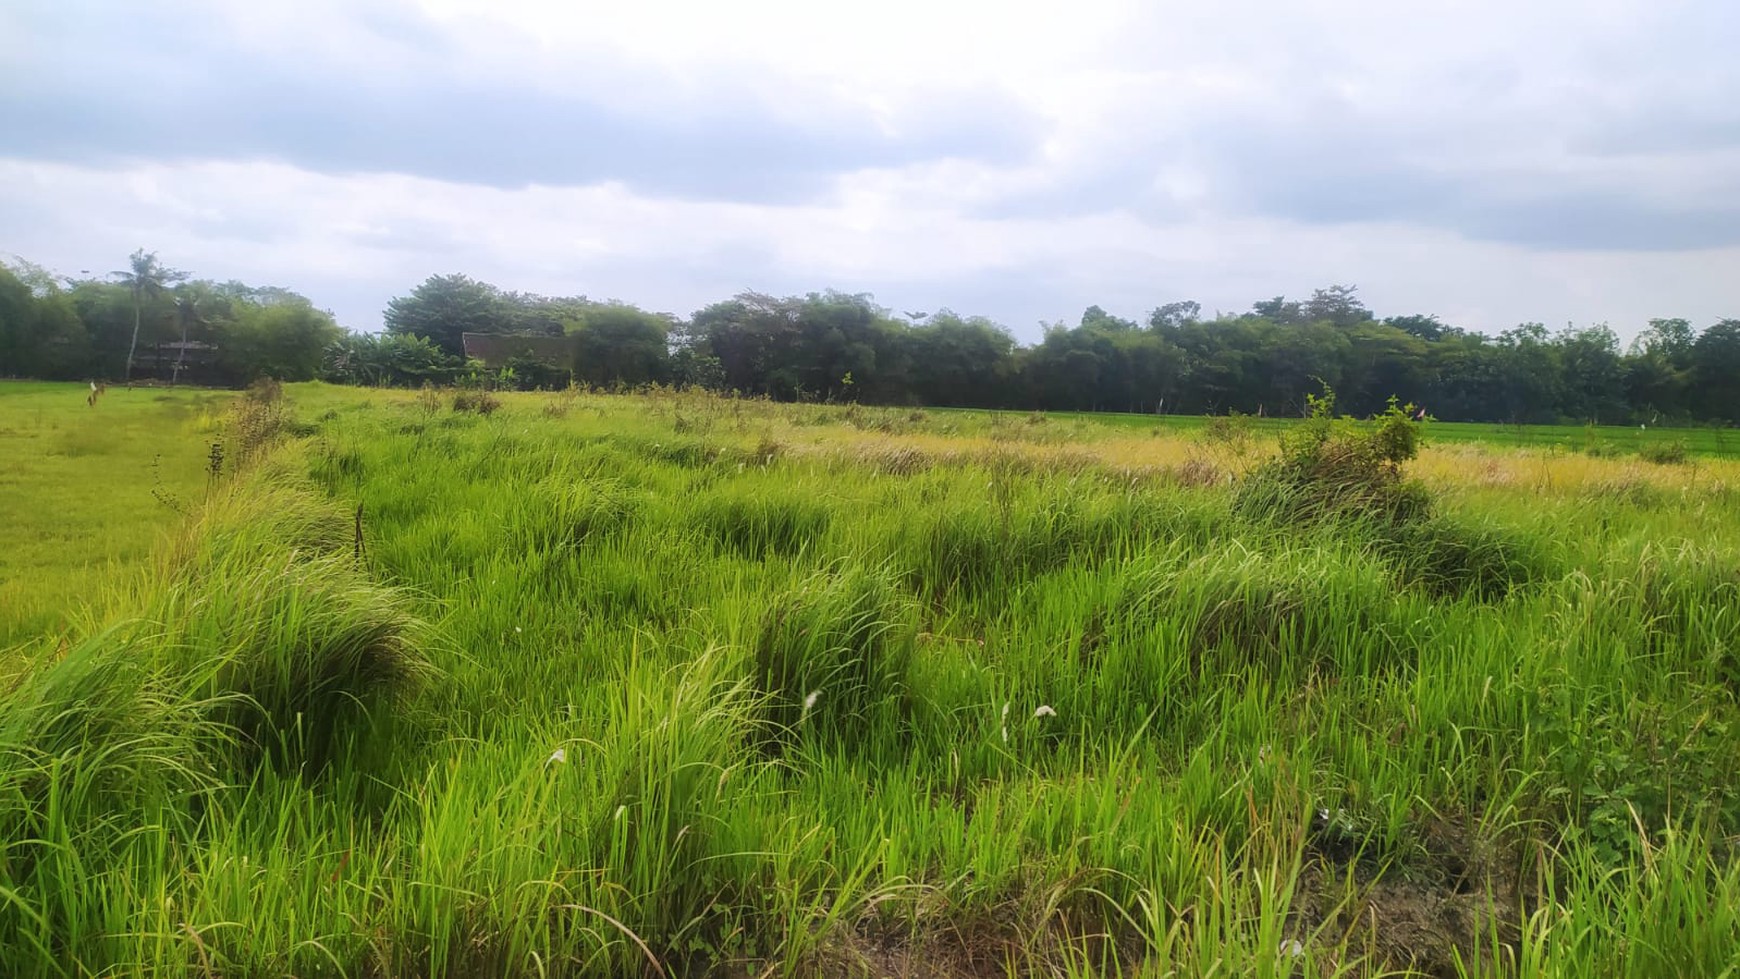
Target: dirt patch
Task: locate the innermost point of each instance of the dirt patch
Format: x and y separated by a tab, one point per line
1449	907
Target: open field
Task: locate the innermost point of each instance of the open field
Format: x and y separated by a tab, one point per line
680	685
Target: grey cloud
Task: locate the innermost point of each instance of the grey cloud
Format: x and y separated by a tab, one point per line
1313	158
1619	136
178	91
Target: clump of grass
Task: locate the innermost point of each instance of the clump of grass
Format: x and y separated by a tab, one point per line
1448	556
293	651
901	460
558	514
1628	488
768	450
1198	472
1236	610
478	402
1671	453
100	760
832	656
761	525
263	610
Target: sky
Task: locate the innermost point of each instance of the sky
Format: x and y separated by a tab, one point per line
1559	161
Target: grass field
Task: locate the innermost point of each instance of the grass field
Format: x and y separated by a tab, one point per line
680	685
84	489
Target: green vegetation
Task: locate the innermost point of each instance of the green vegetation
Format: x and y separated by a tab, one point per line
674	684
835	347
86	487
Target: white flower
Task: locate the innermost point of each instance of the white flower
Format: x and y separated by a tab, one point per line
557	757
810	701
1045	711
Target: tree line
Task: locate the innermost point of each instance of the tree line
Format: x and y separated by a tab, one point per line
844	347
149	321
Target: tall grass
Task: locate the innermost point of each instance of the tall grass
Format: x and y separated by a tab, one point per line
620	689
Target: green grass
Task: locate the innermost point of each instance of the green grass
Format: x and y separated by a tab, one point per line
86	487
678	685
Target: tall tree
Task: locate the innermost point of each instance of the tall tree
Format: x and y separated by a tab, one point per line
145	277
446	307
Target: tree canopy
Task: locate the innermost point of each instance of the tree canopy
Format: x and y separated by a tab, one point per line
841	346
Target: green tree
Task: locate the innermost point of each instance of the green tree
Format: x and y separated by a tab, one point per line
1593	385
446	307
1337	304
621	344
1658	369
41	334
1716	371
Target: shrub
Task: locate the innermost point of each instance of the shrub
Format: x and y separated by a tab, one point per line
1232	430
1333	468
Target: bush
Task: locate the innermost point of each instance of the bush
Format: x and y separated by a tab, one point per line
1332	468
1232	430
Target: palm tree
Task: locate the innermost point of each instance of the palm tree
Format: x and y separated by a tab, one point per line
146	276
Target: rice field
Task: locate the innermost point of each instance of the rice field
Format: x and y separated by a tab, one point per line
421	684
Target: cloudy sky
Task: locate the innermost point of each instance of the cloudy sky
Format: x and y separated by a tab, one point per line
1491	161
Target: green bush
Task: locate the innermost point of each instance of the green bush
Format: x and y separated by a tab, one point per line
1335	468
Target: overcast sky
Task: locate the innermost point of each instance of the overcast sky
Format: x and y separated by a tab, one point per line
1491	162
